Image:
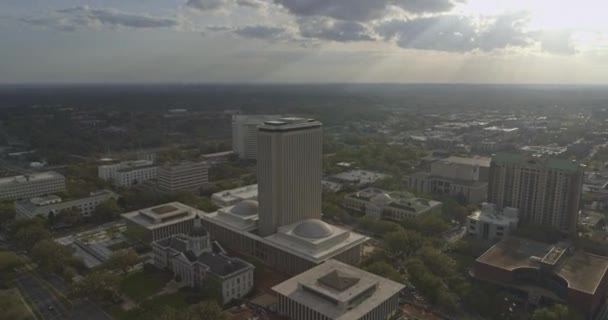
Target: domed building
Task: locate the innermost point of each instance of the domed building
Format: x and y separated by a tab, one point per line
285	230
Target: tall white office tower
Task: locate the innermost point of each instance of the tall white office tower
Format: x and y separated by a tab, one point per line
245	134
289	172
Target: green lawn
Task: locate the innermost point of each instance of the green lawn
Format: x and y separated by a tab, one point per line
153	307
143	284
13	307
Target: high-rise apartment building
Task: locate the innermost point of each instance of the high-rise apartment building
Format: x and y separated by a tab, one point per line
546	191
183	176
289	172
245	134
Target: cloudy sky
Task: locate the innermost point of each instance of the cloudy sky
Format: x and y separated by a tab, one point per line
290	41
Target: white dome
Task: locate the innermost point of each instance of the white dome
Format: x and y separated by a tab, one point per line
245	208
313	229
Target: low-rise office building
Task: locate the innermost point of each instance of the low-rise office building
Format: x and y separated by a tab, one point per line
183	176
160	222
231	197
337	291
128	173
357	177
547	273
292	249
31	185
43	206
491	223
395	206
427	182
191	257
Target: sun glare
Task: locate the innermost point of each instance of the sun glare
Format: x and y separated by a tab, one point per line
548	14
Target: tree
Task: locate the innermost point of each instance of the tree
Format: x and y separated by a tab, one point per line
68	216
100	286
436	261
122	260
428	284
385	270
27	232
51	256
403	243
11	306
107	211
8	262
7	212
556	312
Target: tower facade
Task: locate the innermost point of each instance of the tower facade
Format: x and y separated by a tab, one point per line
289	172
546	191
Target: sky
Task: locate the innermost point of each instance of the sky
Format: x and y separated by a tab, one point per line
304	41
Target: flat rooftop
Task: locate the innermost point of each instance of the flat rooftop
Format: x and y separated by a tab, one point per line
325	286
162	215
582	270
474	161
527	160
30	177
359	176
289	124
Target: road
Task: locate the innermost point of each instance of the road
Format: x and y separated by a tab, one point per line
42	299
48	306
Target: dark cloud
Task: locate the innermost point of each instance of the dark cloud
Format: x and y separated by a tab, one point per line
361	10
206	5
557	42
71	19
217	28
455	33
256	4
333	30
425	6
260	32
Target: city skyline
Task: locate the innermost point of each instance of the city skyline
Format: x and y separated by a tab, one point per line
258	41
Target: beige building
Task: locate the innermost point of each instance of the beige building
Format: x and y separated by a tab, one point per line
183	176
42	206
338	291
395	206
245	134
546	191
455	177
128	173
289	172
160	222
31	185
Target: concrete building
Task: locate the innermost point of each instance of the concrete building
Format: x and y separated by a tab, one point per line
465	169
547	273
394	206
42	206
31	185
546	191
490	223
358	178
337	291
245	134
128	173
285	231
426	182
191	257
160	222
289	172
455	177
183	176
229	198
